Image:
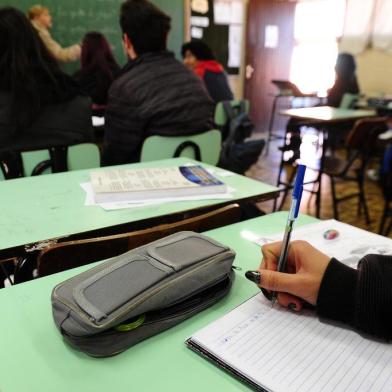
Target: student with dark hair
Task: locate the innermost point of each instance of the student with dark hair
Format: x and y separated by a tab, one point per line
98	68
40	106
345	82
360	298
199	58
155	94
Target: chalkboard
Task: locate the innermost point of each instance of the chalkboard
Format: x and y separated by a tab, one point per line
73	18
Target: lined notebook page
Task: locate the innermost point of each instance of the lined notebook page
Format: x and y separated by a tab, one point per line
284	351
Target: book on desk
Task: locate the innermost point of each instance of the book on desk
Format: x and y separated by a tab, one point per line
153	183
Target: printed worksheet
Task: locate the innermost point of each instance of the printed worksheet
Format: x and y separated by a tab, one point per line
336	239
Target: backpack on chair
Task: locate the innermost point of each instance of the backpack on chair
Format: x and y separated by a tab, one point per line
237	154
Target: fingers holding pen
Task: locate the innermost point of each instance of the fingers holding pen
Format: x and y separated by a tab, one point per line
270	254
271	281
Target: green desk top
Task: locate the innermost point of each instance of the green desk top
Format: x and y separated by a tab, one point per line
327	113
49	206
34	358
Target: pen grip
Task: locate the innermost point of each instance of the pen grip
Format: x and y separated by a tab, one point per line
285	247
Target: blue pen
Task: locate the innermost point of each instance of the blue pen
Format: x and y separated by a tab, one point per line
293	213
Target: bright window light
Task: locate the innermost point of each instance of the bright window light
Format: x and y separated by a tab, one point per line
317	26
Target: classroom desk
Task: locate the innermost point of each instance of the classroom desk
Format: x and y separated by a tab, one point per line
323	118
52	206
327	114
34	357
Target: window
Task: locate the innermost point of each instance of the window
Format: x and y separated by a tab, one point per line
317	26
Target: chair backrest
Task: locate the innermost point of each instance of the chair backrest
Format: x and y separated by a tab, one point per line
220	117
31	159
53	159
364	133
71	254
348	101
386	173
83	156
163	147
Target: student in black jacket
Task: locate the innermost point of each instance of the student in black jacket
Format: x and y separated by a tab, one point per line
155	94
98	68
361	298
199	58
40	106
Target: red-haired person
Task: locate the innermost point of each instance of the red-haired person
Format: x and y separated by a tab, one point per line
98	68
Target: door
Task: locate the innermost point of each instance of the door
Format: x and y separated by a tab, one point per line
267	57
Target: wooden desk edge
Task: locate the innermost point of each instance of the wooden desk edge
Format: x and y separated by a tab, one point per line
34	247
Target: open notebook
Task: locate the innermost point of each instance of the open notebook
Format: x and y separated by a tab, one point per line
274	349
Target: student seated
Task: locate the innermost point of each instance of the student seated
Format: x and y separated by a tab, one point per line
345	82
40	105
199	58
361	298
155	94
42	21
98	68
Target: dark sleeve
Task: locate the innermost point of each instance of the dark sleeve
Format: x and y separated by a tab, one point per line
218	86
124	130
361	298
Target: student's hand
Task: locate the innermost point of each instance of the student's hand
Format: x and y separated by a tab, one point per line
305	270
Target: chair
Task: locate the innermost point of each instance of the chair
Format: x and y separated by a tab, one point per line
31	162
83	156
360	145
51	160
348	101
220	117
286	89
66	255
386	182
204	147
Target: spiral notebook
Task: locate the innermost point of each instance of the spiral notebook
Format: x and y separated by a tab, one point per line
274	349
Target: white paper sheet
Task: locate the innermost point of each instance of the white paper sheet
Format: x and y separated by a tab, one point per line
271	36
196	32
235	40
200	21
89	201
289	352
222	12
349	246
98	121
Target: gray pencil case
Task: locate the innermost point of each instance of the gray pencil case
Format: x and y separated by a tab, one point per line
109	308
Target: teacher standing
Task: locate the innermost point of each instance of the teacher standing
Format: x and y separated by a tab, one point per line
42	22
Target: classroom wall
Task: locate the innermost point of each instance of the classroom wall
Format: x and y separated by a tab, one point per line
374	71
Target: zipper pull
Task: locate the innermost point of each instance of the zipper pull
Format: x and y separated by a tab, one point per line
234	267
